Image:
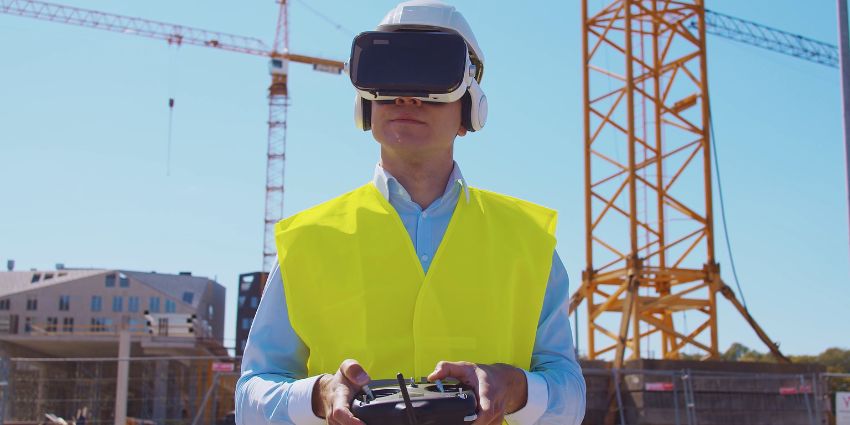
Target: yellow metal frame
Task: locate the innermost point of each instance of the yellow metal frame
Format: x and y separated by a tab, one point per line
649	237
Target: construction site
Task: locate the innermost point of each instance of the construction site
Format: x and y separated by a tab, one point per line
655	292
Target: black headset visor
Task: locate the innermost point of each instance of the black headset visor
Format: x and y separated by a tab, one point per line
415	64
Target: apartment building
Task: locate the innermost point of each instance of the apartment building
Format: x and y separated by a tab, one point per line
251	287
56	324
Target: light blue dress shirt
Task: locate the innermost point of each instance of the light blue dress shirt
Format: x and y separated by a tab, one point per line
274	387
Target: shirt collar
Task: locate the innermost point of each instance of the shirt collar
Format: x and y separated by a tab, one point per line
382	179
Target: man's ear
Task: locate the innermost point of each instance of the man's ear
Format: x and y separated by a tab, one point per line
461	131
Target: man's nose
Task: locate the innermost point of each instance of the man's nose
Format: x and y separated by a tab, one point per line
408	101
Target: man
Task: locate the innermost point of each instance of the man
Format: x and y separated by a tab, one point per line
415	272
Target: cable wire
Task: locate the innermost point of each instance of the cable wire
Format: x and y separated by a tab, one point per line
172	65
723	208
327	19
722	205
170	126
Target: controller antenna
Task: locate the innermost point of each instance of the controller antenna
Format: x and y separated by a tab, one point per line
408	406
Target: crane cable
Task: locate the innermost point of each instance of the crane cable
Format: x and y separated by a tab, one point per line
170	121
327	19
723	208
722	205
171	77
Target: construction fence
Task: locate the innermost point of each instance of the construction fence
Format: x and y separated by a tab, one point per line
199	390
161	391
692	397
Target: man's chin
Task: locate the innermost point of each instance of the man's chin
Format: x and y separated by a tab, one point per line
407	136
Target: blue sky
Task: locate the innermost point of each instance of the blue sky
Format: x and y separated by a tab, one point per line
84	121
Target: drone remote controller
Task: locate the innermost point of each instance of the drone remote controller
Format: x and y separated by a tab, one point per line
404	403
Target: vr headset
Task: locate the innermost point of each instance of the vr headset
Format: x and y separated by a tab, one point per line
425	65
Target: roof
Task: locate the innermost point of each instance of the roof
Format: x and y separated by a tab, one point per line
173	285
14	282
169	284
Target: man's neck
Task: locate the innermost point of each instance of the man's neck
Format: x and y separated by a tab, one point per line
424	179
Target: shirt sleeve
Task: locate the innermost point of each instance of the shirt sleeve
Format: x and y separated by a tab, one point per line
556	387
272	388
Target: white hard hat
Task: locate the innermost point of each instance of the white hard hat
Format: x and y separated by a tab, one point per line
434	15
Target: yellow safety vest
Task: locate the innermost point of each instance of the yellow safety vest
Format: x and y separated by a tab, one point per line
356	289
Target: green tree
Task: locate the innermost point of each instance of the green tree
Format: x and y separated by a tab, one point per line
834	359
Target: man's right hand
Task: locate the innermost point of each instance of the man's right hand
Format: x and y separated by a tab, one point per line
332	394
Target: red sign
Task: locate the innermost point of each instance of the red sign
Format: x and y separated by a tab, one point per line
659	386
222	367
802	389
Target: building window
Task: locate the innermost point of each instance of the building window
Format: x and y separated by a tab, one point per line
210	312
241	300
162	325
35	277
117	304
246	283
170	306
188	297
255	301
51	324
122	280
246	323
133	304
48	276
100	324
4	304
153	305
64	302
32	304
28	325
96	303
138	325
110	280
68	324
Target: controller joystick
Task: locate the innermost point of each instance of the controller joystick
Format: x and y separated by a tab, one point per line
400	402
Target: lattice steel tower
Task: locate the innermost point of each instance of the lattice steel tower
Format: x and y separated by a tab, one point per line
649	233
276	153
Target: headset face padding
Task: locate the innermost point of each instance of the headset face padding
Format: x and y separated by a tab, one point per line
473	110
362	113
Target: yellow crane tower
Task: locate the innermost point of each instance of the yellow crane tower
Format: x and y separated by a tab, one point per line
646	147
648	183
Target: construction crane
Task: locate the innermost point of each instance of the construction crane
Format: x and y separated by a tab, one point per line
647	146
647	153
278	96
759	35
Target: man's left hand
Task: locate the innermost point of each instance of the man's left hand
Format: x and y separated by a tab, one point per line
501	389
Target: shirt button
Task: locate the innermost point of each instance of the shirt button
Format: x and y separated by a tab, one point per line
425	214
425	257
